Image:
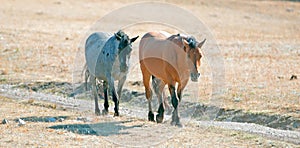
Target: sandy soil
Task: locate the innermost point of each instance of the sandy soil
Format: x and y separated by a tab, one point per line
81	130
258	40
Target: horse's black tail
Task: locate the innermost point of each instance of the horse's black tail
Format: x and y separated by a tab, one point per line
86	76
153	77
155	86
155	83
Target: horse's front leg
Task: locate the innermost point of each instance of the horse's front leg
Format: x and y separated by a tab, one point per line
116	100
180	89
106	104
114	96
120	86
175	103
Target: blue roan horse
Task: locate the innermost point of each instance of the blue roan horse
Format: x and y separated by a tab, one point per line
107	59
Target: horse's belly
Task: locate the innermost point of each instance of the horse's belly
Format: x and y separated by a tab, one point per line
100	75
160	69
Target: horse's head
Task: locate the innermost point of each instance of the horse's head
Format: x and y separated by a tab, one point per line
193	50
124	49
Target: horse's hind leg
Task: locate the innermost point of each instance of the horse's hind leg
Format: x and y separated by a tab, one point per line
106	105
146	81
158	86
175	103
95	94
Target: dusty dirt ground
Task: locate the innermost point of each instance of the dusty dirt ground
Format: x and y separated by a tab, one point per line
112	132
258	40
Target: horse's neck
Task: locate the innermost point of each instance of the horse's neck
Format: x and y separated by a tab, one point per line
110	47
182	58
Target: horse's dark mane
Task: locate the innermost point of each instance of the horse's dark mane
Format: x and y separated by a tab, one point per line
120	33
172	37
190	39
178	37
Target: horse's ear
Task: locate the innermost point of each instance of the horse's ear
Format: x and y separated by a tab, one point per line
185	45
201	44
117	36
133	39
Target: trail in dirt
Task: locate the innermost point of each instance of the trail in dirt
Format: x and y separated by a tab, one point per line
136	110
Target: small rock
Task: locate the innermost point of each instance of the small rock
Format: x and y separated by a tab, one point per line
247	17
89	119
261	86
50	47
289	9
21	122
3	72
30	101
237	99
134	93
57	2
271	144
82	119
293	77
213	15
53	106
61	119
296	124
138	83
4	121
39	13
280	77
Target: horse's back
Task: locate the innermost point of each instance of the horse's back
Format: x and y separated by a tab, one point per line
152	44
93	47
157	35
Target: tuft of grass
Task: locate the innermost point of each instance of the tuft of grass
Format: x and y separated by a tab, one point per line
41	104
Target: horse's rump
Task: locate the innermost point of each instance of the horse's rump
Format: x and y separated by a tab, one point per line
93	47
163	56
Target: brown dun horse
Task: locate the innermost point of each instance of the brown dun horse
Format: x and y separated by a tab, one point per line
169	60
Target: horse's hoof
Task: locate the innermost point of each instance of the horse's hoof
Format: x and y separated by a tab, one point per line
97	112
159	118
116	114
173	123
151	116
178	124
104	112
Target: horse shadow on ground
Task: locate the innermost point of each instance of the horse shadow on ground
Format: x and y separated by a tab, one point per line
98	129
